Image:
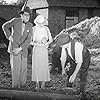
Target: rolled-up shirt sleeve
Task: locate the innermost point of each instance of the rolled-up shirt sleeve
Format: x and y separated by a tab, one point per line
63	55
78	52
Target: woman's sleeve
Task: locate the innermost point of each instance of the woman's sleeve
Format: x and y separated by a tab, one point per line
49	34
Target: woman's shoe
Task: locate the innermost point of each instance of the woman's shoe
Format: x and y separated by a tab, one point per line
43	85
37	86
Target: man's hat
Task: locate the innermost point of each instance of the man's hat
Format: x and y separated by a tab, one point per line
26	9
63	39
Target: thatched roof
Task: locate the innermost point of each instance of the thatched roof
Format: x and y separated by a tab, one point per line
33	4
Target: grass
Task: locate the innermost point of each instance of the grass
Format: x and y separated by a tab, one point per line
58	82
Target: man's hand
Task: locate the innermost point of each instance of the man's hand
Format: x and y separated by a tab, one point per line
63	72
17	50
11	38
72	78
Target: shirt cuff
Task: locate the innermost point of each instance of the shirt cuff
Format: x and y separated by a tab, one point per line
20	48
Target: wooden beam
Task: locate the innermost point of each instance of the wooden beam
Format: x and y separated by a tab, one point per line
29	95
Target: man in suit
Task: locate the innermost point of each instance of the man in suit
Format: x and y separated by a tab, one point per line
19	38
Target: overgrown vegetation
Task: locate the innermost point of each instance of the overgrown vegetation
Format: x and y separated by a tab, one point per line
58	82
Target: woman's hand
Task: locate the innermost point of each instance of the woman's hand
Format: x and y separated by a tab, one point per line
44	40
11	38
39	44
31	43
46	45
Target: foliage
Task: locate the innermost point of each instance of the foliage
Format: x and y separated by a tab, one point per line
11	2
88	31
58	82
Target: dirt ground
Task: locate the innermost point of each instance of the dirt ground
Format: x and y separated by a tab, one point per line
58	82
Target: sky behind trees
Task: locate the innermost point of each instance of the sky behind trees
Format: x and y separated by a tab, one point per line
10	1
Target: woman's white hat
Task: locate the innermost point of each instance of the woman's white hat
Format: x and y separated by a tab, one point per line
39	19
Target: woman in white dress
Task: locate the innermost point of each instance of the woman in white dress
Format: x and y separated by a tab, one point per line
41	39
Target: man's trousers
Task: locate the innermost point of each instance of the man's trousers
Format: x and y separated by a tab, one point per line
19	70
83	71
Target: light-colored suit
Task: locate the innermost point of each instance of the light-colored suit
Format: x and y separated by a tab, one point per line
19	61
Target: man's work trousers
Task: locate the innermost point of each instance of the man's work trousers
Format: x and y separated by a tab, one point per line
19	70
83	71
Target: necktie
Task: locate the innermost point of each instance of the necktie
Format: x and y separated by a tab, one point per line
23	27
24	22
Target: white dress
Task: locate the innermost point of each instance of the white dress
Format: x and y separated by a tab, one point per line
40	68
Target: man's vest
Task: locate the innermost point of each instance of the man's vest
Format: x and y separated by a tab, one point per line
73	51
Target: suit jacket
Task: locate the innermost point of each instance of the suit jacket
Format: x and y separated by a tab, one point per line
19	40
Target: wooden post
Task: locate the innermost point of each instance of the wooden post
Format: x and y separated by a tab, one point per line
29	95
